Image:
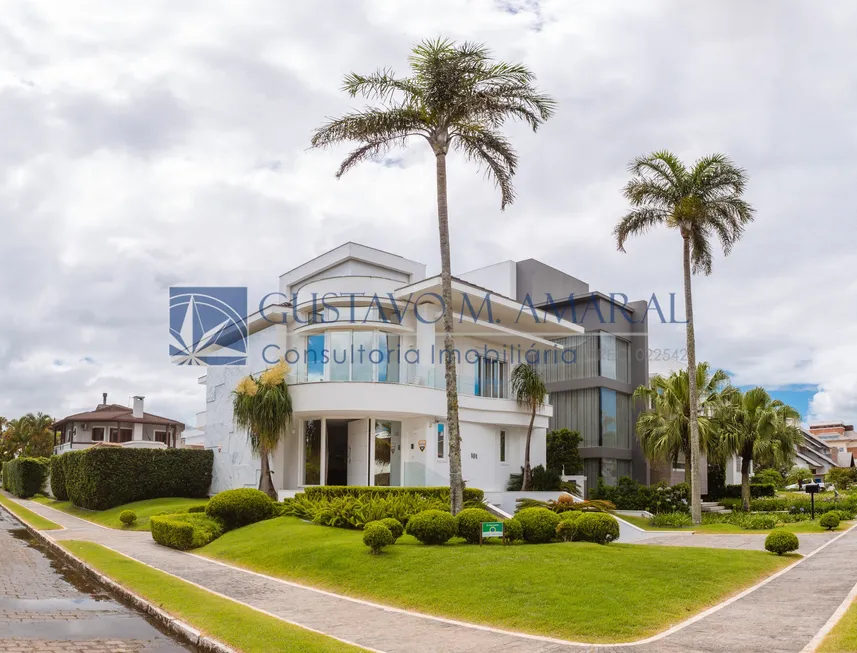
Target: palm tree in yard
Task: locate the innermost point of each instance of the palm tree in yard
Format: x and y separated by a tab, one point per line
455	98
529	390
756	428
664	426
700	202
263	407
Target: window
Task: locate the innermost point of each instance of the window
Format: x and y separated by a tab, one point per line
502	446
312	452
388	366
315	358
161	436
607	354
489	378
98	434
361	365
121	435
440	440
340	354
608	418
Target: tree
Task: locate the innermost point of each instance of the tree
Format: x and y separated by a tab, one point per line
529	390
39	439
758	427
664	426
263	407
769	476
701	202
841	477
798	476
457	97
563	452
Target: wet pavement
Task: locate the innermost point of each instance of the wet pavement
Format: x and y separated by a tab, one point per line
46	605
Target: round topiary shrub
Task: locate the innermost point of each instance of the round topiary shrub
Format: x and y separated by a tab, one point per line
781	542
539	524
236	508
512	530
829	520
598	527
566	530
376	536
432	526
394	525
469	523
128	517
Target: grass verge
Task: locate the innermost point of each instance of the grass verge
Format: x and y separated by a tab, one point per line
577	591
843	637
731	529
36	521
234	624
110	517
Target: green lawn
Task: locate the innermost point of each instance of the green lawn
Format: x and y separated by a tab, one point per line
843	637
110	518
34	520
234	624
577	591
725	529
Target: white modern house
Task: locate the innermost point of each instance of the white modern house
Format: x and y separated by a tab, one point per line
362	332
127	426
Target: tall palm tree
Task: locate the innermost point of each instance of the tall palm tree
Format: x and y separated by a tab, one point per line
263	407
38	436
529	390
700	202
758	427
664	426
456	97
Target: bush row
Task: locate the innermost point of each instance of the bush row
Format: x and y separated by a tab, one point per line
757	491
628	494
357	511
797	506
25	477
441	493
58	488
185	531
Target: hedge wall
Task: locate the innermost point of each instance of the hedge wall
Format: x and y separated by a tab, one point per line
333	491
25	477
58	478
756	491
101	478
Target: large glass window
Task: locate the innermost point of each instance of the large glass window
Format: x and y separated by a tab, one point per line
361	365
607	351
315	357
312	452
340	355
608	418
389	354
490	377
383	452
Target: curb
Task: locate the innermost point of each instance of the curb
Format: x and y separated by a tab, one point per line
184	631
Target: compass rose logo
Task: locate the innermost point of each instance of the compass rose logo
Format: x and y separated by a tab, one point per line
208	326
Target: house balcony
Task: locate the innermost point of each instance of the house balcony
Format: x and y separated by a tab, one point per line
79	445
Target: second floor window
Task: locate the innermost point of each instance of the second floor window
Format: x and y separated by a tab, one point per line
491	378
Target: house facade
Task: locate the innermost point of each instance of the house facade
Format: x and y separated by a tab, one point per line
128	426
362	332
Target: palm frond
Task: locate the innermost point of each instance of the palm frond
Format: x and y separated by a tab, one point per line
490	149
381	85
638	221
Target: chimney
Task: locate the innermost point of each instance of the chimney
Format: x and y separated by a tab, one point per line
104	398
138	407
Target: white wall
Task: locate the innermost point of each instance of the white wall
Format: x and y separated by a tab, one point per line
499	277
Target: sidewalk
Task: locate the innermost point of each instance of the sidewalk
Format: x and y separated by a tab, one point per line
780	616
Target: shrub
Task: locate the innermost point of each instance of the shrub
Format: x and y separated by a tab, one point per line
200	508
830	520
597	527
442	493
757	491
25	477
376	536
356	512
541	480
768	477
395	527
671	520
781	542
432	526
468	523
759	522
562	448
185	531
539	524
512	530
104	477
628	494
237	508
127	517
566	530
841	477
58	478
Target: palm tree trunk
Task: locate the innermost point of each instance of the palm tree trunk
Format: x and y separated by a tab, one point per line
266	484
525	485
695	493
456	484
745	482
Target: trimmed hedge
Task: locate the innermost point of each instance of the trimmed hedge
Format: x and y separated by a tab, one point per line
25	477
539	524
469	523
598	527
185	531
757	491
104	477
512	530
781	542
58	488
317	492
432	526
237	508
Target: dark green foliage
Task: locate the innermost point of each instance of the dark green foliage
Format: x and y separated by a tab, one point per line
432	526
543	480
104	477
598	527
395	527
671	520
628	494
237	508
562	451
757	491
781	542
356	512
185	531
829	520
442	493
469	523
760	522
566	530
716	480
376	536
197	508
841	477
539	524
58	478
769	476
512	530
794	506
127	517
25	477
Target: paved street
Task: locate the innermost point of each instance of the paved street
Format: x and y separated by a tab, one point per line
46	606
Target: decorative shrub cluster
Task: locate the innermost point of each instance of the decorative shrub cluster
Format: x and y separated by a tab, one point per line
376	536
25	477
628	494
566	530
200	508
781	542
127	517
356	512
58	479
598	527
395	526
237	508
796	505
539	524
671	520
757	491
469	523
440	493
512	530
432	526
829	520
104	477
185	531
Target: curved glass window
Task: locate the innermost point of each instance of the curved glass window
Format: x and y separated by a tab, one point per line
363	356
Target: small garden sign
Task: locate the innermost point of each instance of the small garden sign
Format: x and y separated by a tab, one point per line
491	529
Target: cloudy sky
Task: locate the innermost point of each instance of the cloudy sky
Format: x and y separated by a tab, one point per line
152	144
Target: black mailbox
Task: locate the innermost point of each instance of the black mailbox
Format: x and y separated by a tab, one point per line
811	488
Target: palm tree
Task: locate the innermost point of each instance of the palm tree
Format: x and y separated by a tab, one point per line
38	436
263	407
530	391
700	202
758	427
664	426
457	97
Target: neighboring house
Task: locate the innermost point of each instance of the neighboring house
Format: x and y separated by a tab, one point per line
839	437
380	419
128	426
819	455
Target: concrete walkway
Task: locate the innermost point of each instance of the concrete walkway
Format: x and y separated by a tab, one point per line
781	615
809	542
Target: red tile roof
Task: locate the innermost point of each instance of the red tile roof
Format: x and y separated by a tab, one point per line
116	413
